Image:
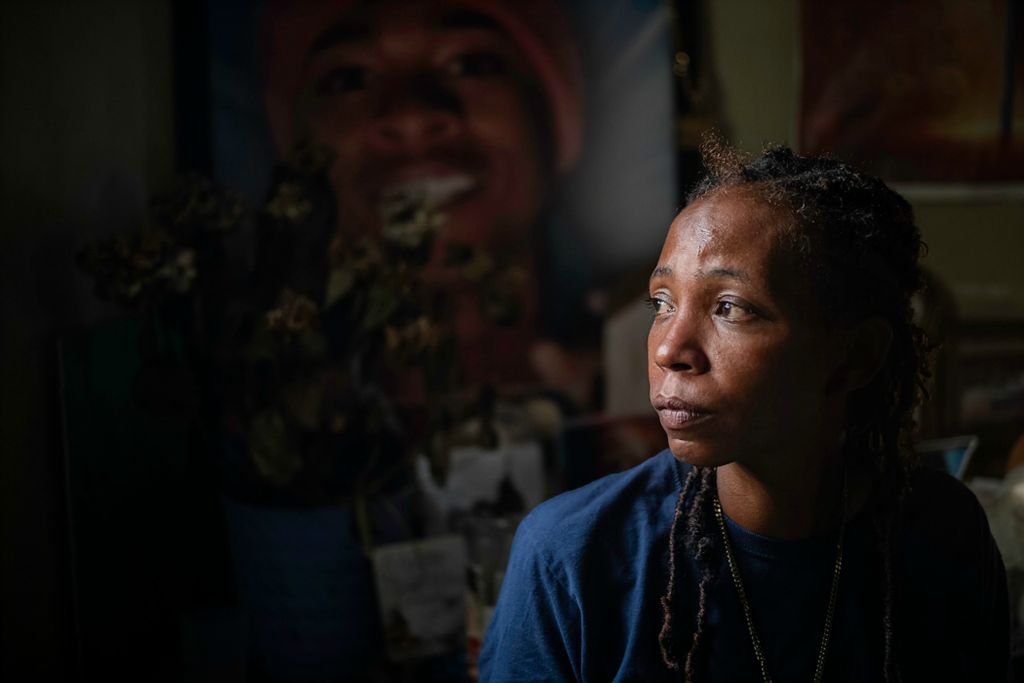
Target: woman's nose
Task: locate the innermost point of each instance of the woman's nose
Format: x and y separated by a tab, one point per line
416	114
677	344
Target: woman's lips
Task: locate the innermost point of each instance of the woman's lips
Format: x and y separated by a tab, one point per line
676	414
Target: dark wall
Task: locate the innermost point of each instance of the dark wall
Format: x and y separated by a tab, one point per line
86	133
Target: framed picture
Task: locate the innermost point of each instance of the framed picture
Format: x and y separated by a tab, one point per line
540	130
924	94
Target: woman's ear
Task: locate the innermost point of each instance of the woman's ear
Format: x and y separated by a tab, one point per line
866	346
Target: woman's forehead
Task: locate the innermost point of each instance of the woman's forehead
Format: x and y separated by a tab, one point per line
739	238
736	224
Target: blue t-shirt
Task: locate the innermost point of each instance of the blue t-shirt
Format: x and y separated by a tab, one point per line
581	596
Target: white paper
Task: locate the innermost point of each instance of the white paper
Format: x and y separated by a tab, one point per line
421	591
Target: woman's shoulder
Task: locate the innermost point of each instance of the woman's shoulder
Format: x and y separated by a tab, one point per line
952	585
942	510
609	507
934	494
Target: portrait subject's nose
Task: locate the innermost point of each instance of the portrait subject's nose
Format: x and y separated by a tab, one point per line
677	345
414	115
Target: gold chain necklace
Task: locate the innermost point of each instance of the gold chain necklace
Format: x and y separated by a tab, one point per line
819	668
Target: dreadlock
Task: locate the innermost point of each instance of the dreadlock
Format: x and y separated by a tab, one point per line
856	242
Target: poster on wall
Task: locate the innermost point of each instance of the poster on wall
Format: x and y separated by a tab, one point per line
541	129
916	91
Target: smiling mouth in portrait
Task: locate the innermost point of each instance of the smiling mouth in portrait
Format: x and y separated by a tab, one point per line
439	180
427	187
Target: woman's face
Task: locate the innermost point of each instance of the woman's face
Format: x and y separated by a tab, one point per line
739	361
433	99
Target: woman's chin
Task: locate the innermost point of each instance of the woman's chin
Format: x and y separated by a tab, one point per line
697	455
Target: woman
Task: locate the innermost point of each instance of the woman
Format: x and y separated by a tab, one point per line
784	535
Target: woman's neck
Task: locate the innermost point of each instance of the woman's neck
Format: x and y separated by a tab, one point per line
800	503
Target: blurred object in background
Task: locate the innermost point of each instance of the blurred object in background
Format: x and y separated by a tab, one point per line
595	446
916	90
694	103
1002	498
935	313
951	455
625	358
421	593
1002	400
986	385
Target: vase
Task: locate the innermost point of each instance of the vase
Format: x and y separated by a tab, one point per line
306	585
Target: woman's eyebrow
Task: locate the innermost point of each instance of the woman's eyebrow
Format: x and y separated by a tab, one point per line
731	273
661	271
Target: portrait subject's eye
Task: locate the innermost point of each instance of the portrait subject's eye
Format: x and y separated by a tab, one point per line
476	65
344	79
732	311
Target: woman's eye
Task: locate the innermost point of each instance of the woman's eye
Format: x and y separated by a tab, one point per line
344	79
732	311
476	65
657	305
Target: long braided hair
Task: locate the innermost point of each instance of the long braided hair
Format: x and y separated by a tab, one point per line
856	242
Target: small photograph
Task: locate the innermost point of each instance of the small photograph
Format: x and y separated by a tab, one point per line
421	591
